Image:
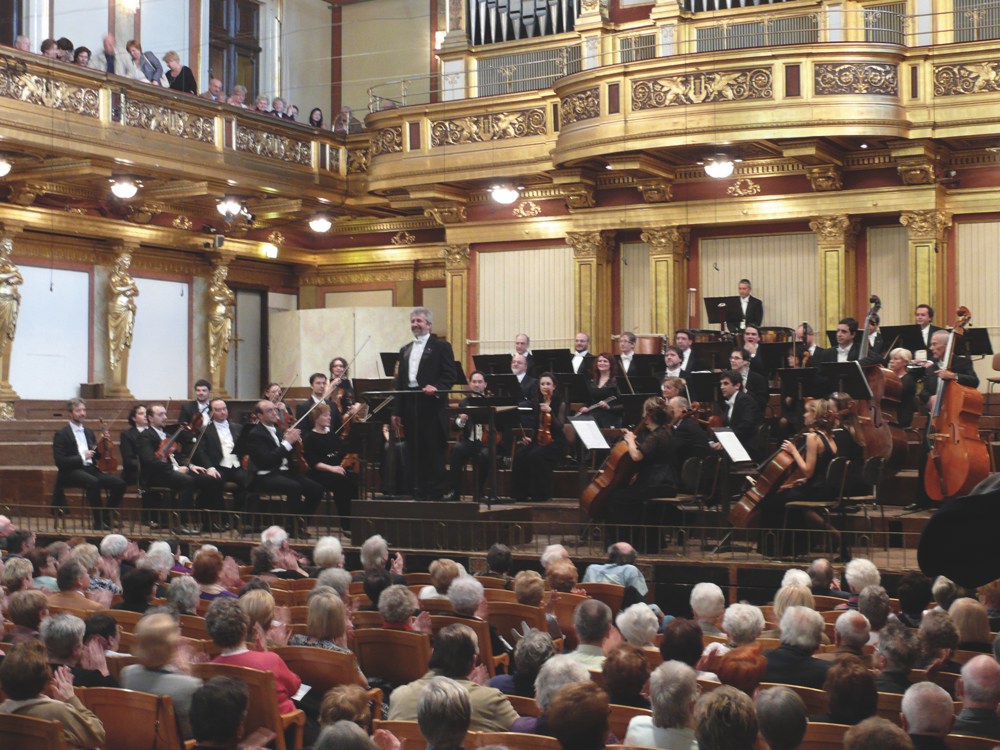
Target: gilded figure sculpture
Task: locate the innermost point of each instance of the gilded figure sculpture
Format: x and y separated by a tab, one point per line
10	304
121	311
222	306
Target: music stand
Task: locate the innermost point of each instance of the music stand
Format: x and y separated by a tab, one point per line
363	385
640	384
371	436
799	382
975	343
703	387
846	377
552	360
496	413
832	337
907	337
492	364
645	365
775	356
389	362
632	406
574	387
722	309
712	355
505	385
460	378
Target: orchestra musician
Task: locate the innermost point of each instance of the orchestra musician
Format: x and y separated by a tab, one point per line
529	384
689	437
318	383
683	340
200	405
626	352
848	348
324	453
470	445
128	443
807	332
601	387
671	387
347	403
924	317
581	352
899	363
522	346
754	384
875	342
751	343
739	411
536	457
74	448
216	452
426	364
751	309
673	359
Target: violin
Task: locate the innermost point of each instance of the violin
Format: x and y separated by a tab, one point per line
105	458
169	446
544	436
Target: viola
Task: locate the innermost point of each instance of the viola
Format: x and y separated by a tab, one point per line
544	436
958	459
105	458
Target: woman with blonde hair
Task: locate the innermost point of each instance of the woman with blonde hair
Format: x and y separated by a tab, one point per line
791	596
973	625
327	625
443	571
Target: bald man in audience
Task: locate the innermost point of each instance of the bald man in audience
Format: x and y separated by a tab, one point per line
927	715
979	691
850	636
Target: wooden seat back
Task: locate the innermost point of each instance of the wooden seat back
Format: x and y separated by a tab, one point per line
492	582
133	719
824	603
967	742
29	733
620	717
889	706
508	616
366	619
193	626
323	669
126	619
609	593
396	656
513	740
408	732
117	663
817	701
437	606
499	595
524	706
824	736
482	630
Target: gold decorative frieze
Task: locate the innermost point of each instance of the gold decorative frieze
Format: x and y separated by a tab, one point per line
926	225
358	160
833	79
273	146
144	212
497	126
354	275
743	187
447	214
403	238
917	170
182	222
825	177
456	257
655	189
387	141
174	122
741	84
579	195
17	83
276	238
967	78
838	229
585	105
526	209
590	244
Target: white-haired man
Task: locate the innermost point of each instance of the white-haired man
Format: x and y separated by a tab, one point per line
793	663
375	555
850	636
620	570
979	691
673	691
859	573
552	553
927	715
708	604
276	539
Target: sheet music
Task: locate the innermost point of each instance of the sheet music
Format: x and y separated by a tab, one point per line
590	434
732	446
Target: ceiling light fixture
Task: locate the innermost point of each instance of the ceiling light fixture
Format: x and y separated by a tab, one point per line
5	167
320	223
719	166
125	187
505	193
229	206
270	250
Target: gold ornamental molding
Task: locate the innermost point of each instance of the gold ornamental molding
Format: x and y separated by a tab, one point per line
456	257
743	187
917	170
371	226
358	160
273	145
585	105
526	210
927	225
833	79
590	244
498	126
403	238
839	229
144	212
741	84
825	178
387	141
655	189
17	83
666	239
980	77
447	214
158	118
182	222
350	276
55	249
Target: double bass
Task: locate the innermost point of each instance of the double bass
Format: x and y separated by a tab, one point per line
958	458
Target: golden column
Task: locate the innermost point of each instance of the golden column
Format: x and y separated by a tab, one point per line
456	274
927	247
221	314
836	237
668	276
592	285
122	292
10	304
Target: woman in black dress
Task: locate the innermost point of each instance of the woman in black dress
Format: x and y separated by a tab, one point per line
179	77
602	390
899	361
537	456
323	451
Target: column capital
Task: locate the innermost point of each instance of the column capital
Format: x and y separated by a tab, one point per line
666	239
836	229
590	244
456	257
925	225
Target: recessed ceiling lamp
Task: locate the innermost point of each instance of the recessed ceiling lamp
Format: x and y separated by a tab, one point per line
320	223
5	167
124	187
270	250
719	166
229	206
505	193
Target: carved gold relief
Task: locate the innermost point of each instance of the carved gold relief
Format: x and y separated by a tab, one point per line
825	177
276	238
182	222
585	105
403	238
175	122
387	141
447	214
24	193
916	171
6	411
526	209
856	78
699	88
579	195
969	78
273	146
456	257
655	189
926	225
143	213
743	187
665	239
837	229
499	126
17	83
589	244
358	160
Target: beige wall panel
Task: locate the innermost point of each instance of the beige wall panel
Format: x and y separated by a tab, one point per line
978	270
637	312
525	291
436	300
784	269
888	261
384	40
306	51
365	298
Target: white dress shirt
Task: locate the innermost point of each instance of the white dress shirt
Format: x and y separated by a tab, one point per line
578	358
416	352
81	442
229	461
842	354
627	361
284	443
730	403
163	436
685	358
744	301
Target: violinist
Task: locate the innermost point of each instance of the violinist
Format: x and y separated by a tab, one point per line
270	449
273	393
217	452
324	452
343	388
651	448
851	443
200	405
601	388
74	448
470	446
671	387
739	411
160	467
318	383
537	456
673	359
812	460
805	338
128	442
754	384
899	363
689	437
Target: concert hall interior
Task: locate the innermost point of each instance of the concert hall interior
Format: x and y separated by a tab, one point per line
595	167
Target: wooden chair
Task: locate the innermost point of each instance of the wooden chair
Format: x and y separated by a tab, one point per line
707	686
126	620
29	733
889	706
653	657
193	626
766	644
366	619
418	579
132	719
508	616
830	616
620	716
966	742
83	614
262	710
482	629
609	593
323	669
408	732
823	736
513	740
768	611
824	603
564	608
126	640
498	595
597	677
707	638
437	606
117	663
962	656
492	582
524	706
395	656
817	701
836	478
299	613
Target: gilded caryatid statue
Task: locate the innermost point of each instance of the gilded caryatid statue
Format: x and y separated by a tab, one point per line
122	292
10	304
221	313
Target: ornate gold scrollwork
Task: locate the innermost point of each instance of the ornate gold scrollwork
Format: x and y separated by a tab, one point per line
456	257
358	160
743	187
387	141
834	79
916	171
174	122
403	237
526	209
585	105
982	77
701	88
447	214
273	146
655	189
835	229
825	177
182	222
143	213
926	225
578	195
498	126
17	83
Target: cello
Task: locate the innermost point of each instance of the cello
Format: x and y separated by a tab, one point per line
616	472
958	458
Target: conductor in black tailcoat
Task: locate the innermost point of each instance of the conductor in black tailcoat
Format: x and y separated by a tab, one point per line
751	309
426	364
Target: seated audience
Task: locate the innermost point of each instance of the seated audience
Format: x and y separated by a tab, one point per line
138	589
873	603
207	572
375	554
218	713
626	672
795	577
927	715
81	56
851	689
876	733
375	582
578	717
551	553
620	570
530	653
859	573
326	625
443	571
18	574
43	568
400	610
742	623
673	690
114	59
328	553
781	714
973	625
895	655
26	609
179	77
822	581
725	719
289	562
444	713
989	597
156	640
592	621
90	558
33	690
555	674
529	588
914	592
850	636
102	628
743	668
238	97
469	602
938	641
562	576
498	558
793	663
979	691
790	596
145	62
346	702
638	625
346	735
682	641
708	605
63	638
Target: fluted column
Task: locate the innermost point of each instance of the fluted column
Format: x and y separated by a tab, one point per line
122	292
667	276
221	315
836	237
927	246
456	270
592	285
10	305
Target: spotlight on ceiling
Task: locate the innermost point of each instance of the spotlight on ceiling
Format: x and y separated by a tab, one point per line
5	167
270	250
719	166
124	187
320	223
505	193
229	206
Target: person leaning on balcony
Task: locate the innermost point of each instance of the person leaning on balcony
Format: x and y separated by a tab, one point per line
146	63
113	59
179	77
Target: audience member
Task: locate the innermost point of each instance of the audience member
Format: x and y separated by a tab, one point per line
18	574
73	580
555	674
822	581
895	655
183	595
218	713
81	56
468	599
578	717
795	577
179	77
626	672
914	592
673	690
592	621
43	569
682	641
346	735
620	570
328	553
22	43
26	609
103	628
790	596
742	623
708	605
850	636
262	105
398	607
529	588
792	662
945	591
444	713
743	667
375	554
375	582
782	717
551	553
443	571
530	653
63	638
65	49
207	572
973	625
113	59
725	720
876	733
90	557
851	690
979	691
316	118
289	564
50	49
561	575
638	625
346	702
138	588
927	715
346	123
146	63
873	603
326	624
989	597
859	573
938	641
238	97
214	92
